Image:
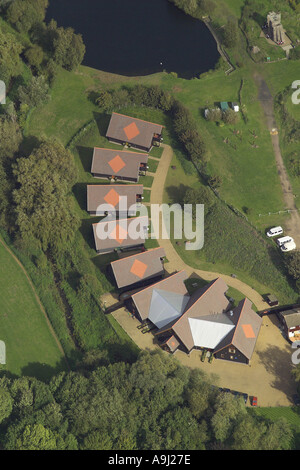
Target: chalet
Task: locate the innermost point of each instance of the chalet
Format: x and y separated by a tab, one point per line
121	198
291	323
239	344
203	320
118	165
139	268
120	235
136	133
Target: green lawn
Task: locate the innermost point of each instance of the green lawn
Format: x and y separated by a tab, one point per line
30	346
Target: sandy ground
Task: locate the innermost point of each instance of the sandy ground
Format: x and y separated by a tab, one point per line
268	376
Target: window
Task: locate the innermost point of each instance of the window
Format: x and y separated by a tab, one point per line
232	350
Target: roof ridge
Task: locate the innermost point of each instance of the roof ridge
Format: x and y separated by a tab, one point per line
152	286
138	119
138	254
183	315
123	151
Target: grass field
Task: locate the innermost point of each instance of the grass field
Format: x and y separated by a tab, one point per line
30	346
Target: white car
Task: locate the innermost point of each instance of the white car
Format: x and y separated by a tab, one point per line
273	232
283	240
289	246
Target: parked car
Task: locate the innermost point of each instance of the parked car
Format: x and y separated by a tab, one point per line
289	246
254	401
281	241
274	231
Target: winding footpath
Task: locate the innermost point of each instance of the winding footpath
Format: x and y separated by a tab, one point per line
175	261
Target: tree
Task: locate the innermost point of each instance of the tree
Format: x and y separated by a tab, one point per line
206	6
247	434
278	436
228	412
43	205
105	100
35	92
6	404
36	437
24	14
10	62
214	115
215	181
34	55
230	33
11	137
69	48
293	265
201	195
230	116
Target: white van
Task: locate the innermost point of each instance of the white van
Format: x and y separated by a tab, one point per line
281	241
289	246
275	231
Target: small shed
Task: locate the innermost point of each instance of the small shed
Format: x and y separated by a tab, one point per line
272	300
224	106
235	107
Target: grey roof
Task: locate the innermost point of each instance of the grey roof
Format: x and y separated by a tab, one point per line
166	306
99	194
119	235
141	134
119	163
173	283
245	334
125	271
291	317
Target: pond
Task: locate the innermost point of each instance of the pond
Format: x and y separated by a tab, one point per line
138	37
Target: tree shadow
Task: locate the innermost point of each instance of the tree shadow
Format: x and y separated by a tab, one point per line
277	362
86	231
28	144
102	121
80	193
177	193
86	157
42	371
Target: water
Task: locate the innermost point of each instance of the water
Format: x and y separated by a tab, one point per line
138	37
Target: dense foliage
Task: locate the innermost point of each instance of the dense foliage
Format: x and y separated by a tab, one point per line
153	404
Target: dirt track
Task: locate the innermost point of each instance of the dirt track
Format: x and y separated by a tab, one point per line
267	103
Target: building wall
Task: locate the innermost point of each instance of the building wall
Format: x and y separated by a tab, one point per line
120	178
232	354
120	142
